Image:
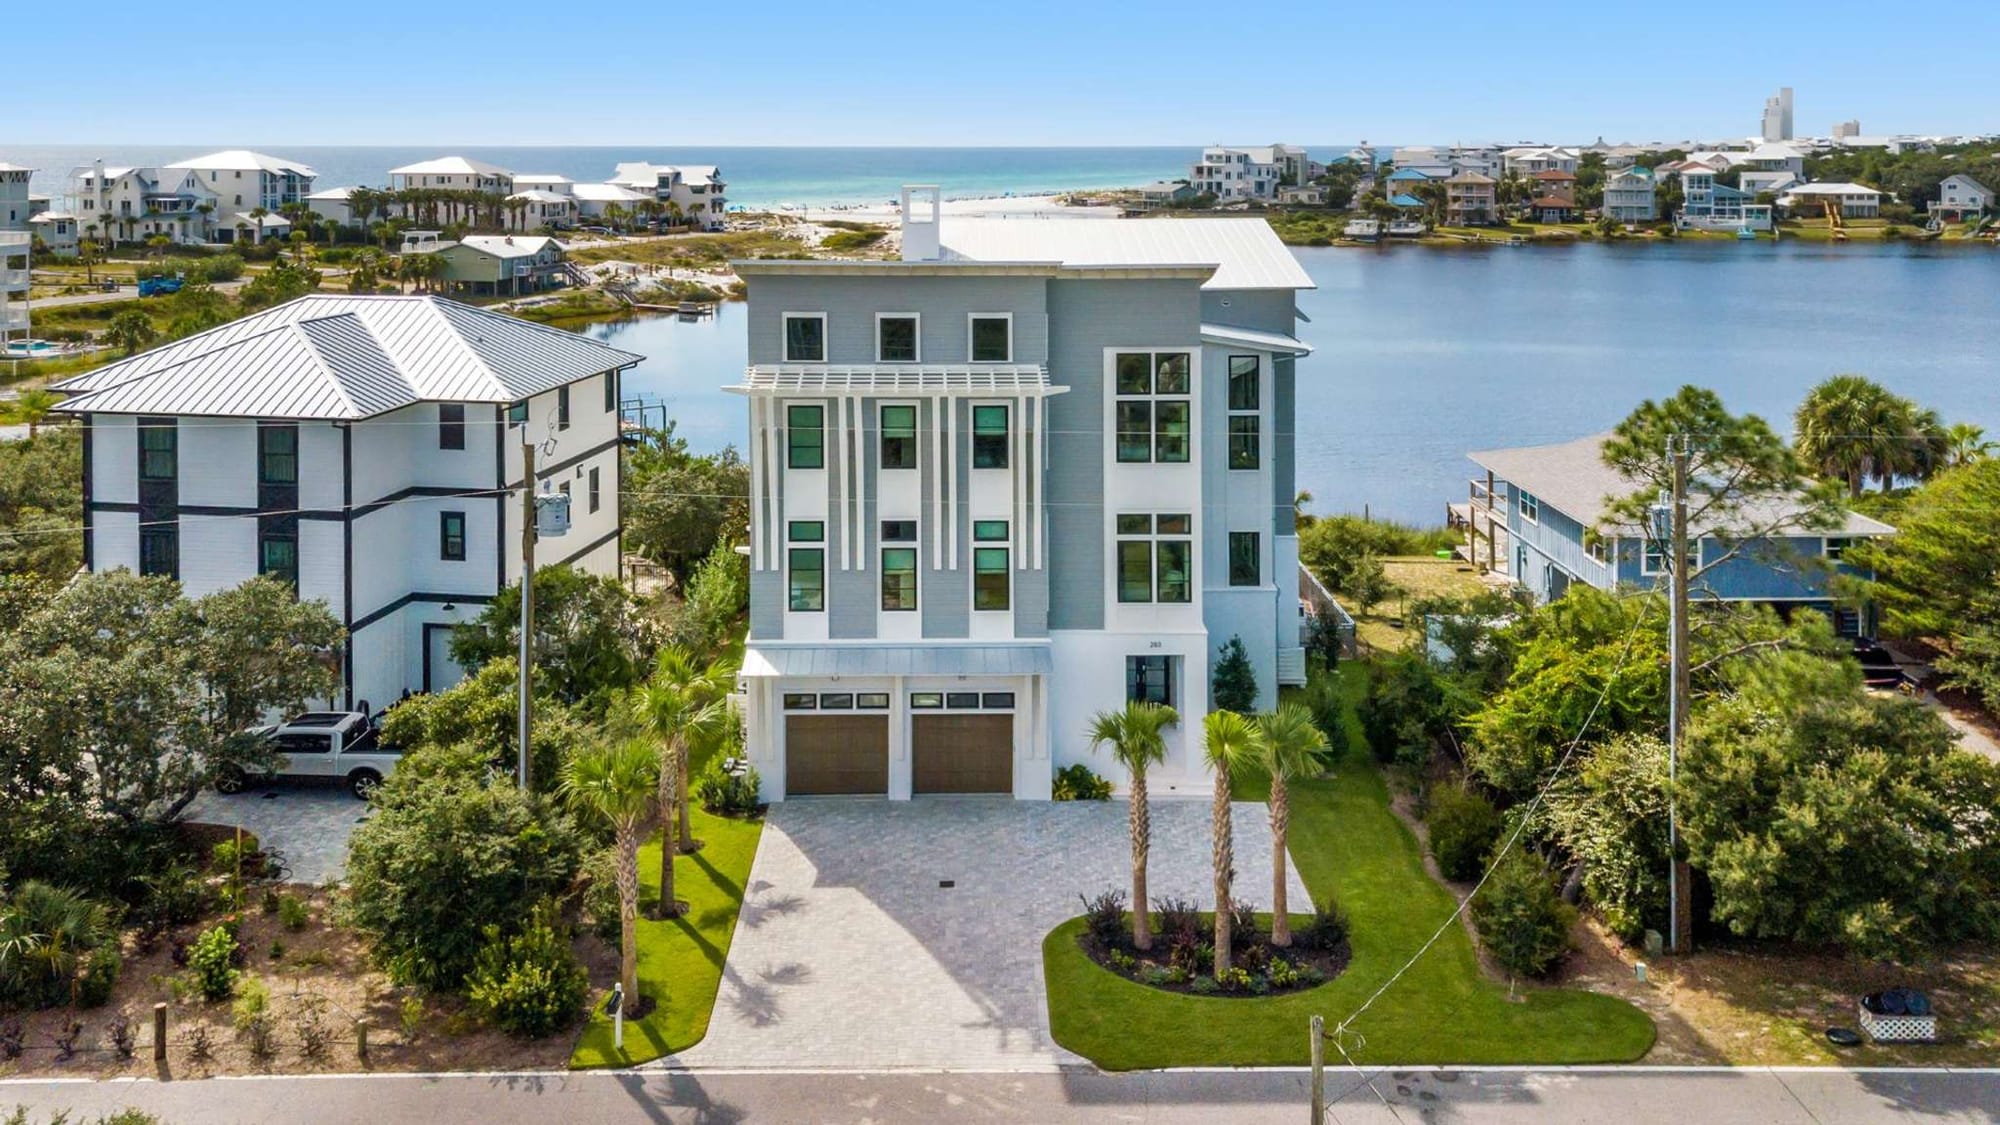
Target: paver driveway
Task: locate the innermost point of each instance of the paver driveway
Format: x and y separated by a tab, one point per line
308	825
849	953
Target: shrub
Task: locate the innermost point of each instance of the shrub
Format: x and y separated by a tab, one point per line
253	999
69	1031
62	929
1328	929
439	852
309	1026
196	1039
1243	923
410	1013
1522	921
1204	985
123	1040
599	900
99	976
1234	682
173	896
727	794
292	912
1178	919
13	1038
212	963
1335	547
529	984
1076	782
1463	828
261	1033
1104	917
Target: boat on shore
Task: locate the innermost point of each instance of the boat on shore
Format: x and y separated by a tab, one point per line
1407	228
1362	230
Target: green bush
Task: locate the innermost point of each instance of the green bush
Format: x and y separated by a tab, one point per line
1463	827
1334	547
99	976
725	793
599	900
1327	930
292	912
439	851
529	984
1076	782
212	963
1406	709
1522	921
253	1001
48	936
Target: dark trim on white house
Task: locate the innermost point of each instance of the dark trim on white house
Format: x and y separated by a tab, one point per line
89	486
347	563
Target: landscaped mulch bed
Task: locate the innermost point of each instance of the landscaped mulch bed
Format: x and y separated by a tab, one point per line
1182	958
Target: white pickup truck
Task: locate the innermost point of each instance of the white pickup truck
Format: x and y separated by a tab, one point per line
340	745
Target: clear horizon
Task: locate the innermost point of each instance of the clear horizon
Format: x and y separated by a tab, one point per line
1032	74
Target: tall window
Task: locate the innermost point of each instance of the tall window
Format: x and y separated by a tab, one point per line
899	437
805	337
1245	425
896	338
899	579
278	555
1150	679
610	392
277	453
160	550
1531	508
805	437
1245	559
806	567
451	425
451	536
562	407
159	449
1155	559
596	492
989	437
1154	408
992	339
991	582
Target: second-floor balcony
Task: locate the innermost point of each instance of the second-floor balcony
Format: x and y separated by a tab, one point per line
13	316
1482	517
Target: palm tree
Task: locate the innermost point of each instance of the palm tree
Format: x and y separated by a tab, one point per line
614	783
677	713
704	684
1134	737
30	408
1967	444
131	330
1227	738
88	254
1291	745
1847	428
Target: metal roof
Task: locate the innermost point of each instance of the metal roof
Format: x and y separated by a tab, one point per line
243	160
898	660
450	166
1249	338
326	356
506	245
1246	253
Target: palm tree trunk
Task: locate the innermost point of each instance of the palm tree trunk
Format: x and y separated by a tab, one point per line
1142	843
669	902
1281	822
628	914
1224	854
681	802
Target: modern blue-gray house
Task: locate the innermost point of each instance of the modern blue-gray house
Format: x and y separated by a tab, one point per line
1031	470
1530	517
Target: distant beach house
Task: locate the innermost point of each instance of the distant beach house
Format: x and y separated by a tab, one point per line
1532	514
1308	195
1709	205
15	248
1754	183
16	207
128	204
1855	201
452	173
1961	197
366	450
501	265
1238	175
694	190
1555	196
1471	199
1526	161
1630	196
593	199
331	205
243	181
1163	194
1771	158
58	231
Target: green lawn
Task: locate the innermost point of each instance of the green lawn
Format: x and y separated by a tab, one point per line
680	960
1346	841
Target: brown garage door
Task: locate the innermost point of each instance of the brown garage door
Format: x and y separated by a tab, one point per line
836	754
963	753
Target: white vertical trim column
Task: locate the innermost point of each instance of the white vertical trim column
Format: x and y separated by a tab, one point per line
951	482
937	484
840	478
756	483
1017	469
774	447
861	528
1039	449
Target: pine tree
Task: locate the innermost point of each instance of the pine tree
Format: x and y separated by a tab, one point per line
1234	687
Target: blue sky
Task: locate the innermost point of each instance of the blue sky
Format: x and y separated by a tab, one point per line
1021	73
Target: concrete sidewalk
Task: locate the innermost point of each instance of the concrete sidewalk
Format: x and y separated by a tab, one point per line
1624	1095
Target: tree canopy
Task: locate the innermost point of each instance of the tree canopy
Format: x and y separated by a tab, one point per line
589	638
678	504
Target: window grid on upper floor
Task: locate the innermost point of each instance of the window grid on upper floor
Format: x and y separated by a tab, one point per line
1154	407
1245	420
1155	558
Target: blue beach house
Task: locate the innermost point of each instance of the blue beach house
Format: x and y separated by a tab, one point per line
1529	517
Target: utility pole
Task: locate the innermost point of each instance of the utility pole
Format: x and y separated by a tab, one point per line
527	655
1680	450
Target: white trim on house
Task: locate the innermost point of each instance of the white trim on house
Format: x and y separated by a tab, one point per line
919	340
972	317
785	334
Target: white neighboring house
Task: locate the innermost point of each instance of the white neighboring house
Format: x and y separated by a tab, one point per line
1856	201
452	173
1528	160
696	189
1237	175
537	208
592	199
1961	197
1755	183
16	206
1630	196
332	204
126	204
14	251
58	231
367	449
242	181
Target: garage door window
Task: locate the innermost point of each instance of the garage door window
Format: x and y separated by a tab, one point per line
801	701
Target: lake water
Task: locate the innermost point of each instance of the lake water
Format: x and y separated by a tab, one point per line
1424	354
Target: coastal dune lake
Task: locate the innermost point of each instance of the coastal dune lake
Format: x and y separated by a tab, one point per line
1423	354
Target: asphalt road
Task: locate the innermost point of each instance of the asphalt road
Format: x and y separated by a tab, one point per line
1624	1096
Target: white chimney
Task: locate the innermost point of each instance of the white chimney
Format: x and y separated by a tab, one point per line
920	230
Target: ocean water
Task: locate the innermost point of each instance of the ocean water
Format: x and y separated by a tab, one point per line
1423	355
757	177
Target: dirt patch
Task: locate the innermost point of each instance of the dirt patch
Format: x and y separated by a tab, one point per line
319	968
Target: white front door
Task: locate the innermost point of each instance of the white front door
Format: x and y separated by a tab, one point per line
440	670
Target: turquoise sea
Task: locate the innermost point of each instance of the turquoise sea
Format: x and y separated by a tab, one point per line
757	177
